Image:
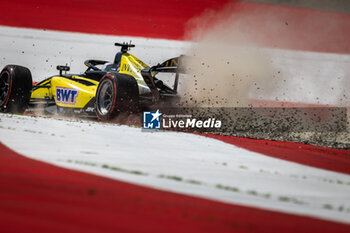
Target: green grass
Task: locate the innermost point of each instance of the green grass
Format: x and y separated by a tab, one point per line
176	178
341	208
328	206
228	188
106	166
134	172
252	192
193	182
284	198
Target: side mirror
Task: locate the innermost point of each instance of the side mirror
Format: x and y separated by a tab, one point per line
63	68
125	46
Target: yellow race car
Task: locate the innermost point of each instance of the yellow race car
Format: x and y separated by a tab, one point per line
103	90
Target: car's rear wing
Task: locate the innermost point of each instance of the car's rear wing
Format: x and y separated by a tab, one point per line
173	65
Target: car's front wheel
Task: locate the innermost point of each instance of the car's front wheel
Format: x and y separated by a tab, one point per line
15	88
116	93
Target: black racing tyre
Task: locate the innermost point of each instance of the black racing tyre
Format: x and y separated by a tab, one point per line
116	93
15	88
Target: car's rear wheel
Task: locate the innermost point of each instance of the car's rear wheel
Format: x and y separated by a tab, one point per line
15	88
116	93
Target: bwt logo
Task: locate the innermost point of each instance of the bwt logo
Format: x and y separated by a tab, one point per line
66	95
151	120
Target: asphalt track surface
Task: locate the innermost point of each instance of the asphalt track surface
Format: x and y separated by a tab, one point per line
39	197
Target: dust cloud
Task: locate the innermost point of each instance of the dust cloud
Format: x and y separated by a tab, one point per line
241	55
225	65
238	59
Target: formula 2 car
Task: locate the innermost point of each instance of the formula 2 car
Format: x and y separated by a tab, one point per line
103	90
